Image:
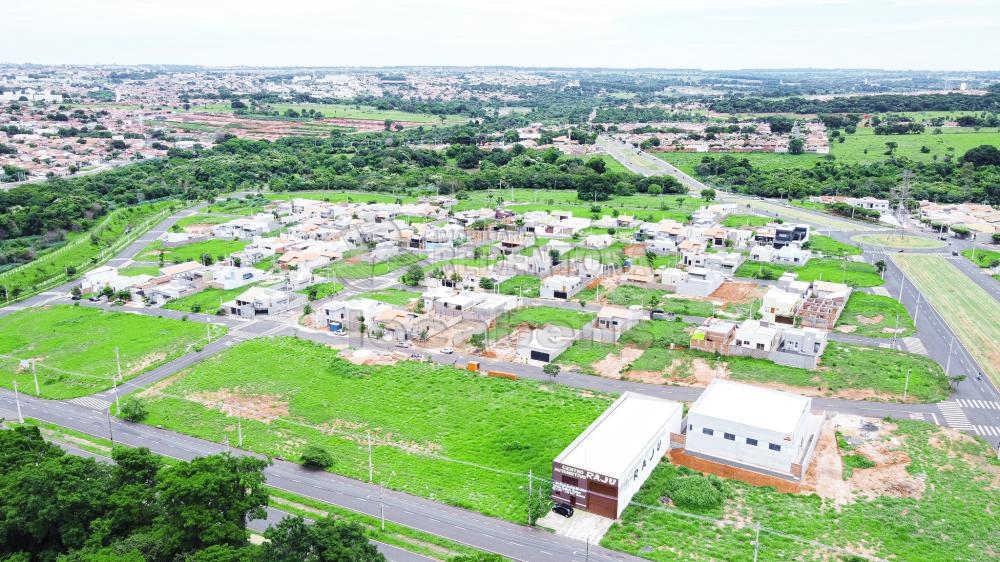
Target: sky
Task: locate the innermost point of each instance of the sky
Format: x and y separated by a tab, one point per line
707	34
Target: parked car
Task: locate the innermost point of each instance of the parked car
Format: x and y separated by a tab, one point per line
418	356
563	509
954	253
659	314
403	343
94	298
447	350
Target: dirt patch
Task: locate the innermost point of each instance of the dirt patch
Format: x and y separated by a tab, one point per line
865	320
845	393
825	474
704	373
847	329
893	330
888	477
368	357
635	250
260	407
359	433
146	362
736	292
613	365
159	386
648	377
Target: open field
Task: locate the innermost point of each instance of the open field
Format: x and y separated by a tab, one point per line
216	248
538	316
201	219
342	196
953	141
736	221
903	241
522	286
397	297
982	258
688	162
75	347
856	274
449	435
134	270
874	316
932	522
344	111
83	251
823	220
206	301
831	247
236	206
970	311
322	290
361	269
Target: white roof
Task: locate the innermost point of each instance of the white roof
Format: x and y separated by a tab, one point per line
610	444
771	410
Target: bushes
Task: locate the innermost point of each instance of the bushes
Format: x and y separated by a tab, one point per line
698	492
316	457
134	410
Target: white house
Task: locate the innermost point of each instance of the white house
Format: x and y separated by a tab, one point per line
244	229
546	343
700	282
779	306
598	241
753	335
661	246
560	287
342	315
258	301
792	255
753	427
229	277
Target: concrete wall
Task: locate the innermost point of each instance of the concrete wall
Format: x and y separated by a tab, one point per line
738	450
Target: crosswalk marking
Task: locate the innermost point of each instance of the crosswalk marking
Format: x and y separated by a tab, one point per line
979	404
954	416
914	345
91	402
988	430
880	291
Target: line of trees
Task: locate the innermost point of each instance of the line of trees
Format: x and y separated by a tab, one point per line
861	104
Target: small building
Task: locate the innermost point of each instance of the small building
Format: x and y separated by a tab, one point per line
598	241
754	336
560	287
791	255
758	428
779	306
546	343
790	234
713	337
700	282
603	468
258	301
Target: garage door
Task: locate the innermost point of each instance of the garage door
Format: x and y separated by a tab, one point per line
602	500
539	356
559	294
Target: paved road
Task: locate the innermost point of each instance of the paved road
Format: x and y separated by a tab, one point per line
646	164
514	541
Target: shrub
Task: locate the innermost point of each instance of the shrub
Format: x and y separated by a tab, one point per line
316	457
858	461
134	410
698	492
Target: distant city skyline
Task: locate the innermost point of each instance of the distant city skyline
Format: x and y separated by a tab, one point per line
957	35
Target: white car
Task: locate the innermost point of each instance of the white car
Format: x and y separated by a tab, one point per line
403	343
447	350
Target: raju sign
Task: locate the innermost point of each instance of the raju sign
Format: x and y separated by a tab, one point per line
586	474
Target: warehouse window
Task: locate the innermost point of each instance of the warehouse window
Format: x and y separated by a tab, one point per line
707	431
774	447
729	436
751	441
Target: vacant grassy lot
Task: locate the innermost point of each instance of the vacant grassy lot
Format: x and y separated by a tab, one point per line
903	241
881	372
206	301
584	353
237	206
982	258
362	269
737	221
442	426
970	311
855	274
345	111
874	316
953	141
134	270
201	219
831	247
342	196
521	285
940	525
397	297
823	220
322	290
688	161
75	347
217	249
538	316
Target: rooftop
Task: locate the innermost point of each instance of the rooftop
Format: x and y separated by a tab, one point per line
772	410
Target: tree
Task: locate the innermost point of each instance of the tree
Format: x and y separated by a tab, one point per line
486	283
880	266
478	341
307	309
134	409
708	194
796	146
316	457
650	257
413	276
107	292
75	291
208	501
597	164
554	256
551	369
982	155
328	540
891	146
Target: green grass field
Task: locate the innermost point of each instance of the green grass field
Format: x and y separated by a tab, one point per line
584	353
737	221
539	316
236	206
75	347
953	141
940	525
449	435
134	270
342	196
823	220
873	315
345	111
521	285
201	219
688	161
205	301
193	251
904	241
969	310
83	251
322	290
855	274
831	247
361	270
982	258
397	297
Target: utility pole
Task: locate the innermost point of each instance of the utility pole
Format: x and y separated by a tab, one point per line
34	374
118	406
371	472
906	385
756	541
530	478
17	400
118	361
111	433
947	368
895	331
916	315
239	427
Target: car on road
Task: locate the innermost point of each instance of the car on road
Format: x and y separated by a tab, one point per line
447	350
403	343
94	299
563	509
659	314
418	357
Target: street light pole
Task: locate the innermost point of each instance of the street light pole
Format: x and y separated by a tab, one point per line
111	432
239	427
756	542
34	374
17	400
906	385
118	406
947	368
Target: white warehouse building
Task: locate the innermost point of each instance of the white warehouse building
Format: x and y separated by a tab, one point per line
761	429
606	465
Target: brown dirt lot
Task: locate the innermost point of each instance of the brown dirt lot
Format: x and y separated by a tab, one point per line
261	407
737	292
